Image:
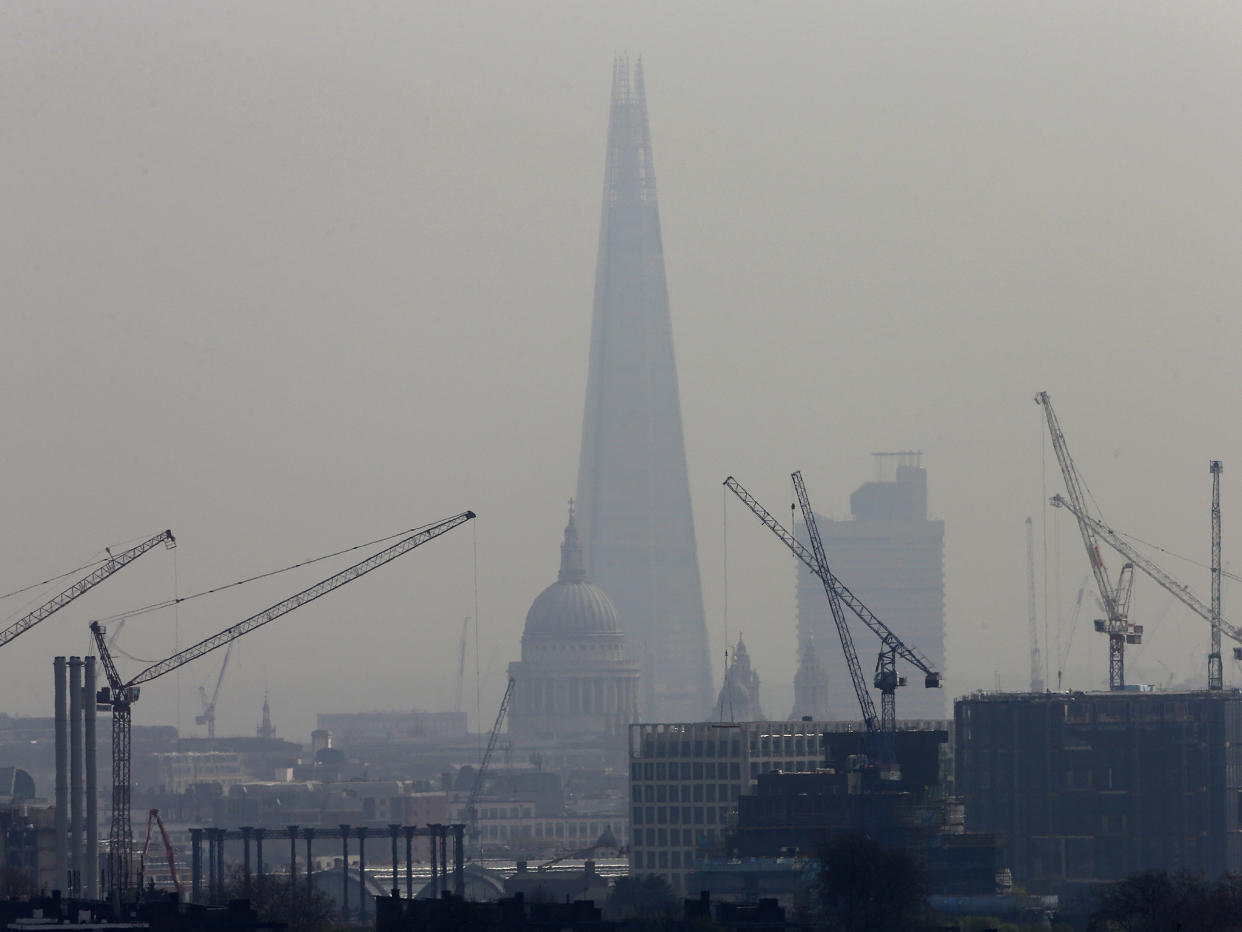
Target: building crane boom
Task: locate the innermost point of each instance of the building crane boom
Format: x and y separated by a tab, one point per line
1178	590
120	695
911	655
208	717
886	677
1116	599
875	727
472	802
85	584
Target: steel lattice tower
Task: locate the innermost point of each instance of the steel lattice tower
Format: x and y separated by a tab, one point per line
633	491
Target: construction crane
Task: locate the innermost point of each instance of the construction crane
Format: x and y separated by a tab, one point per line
1209	613
85	584
877	730
119	695
153	819
1037	673
461	664
1115	598
1216	673
208	717
892	646
472	802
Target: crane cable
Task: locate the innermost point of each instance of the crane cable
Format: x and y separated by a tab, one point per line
241	582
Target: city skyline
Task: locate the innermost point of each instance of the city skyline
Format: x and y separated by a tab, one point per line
286	296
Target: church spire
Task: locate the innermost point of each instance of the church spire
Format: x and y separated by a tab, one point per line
572	568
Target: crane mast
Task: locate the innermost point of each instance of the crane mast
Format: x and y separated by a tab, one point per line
886	677
874	726
208	717
120	695
1181	592
909	654
1116	599
1216	673
85	584
1037	673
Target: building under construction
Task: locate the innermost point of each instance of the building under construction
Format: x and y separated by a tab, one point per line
1081	788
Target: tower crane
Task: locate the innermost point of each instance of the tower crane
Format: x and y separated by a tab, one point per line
1115	598
85	584
1037	673
208	717
120	695
1181	592
472	803
886	677
875	729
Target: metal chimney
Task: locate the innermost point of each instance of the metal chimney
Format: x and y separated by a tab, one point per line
62	772
76	780
90	858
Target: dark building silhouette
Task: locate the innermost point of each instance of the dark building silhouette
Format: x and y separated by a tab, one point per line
1082	788
633	491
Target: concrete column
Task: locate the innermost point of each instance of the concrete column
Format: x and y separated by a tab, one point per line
220	863
258	853
409	862
345	872
444	858
77	780
395	830
459	854
211	865
362	872
310	861
196	864
293	857
245	833
91	878
62	771
435	876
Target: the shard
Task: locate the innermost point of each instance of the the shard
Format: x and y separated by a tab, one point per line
633	493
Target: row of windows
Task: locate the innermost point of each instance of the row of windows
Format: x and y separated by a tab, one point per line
653	860
684	792
699	770
675	837
581	830
680	815
507	812
671	746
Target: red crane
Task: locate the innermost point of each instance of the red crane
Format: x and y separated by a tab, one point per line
120	695
153	818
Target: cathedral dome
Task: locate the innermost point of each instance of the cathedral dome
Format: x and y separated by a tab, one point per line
571	605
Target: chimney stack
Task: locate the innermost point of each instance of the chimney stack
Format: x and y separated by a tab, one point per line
62	772
90	855
76	780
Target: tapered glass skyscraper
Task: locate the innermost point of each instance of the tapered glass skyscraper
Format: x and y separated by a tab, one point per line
633	493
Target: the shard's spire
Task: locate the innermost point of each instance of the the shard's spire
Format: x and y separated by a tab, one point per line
633	493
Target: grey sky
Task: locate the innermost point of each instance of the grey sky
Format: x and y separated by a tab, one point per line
285	277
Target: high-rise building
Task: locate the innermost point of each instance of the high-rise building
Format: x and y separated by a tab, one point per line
891	556
633	491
